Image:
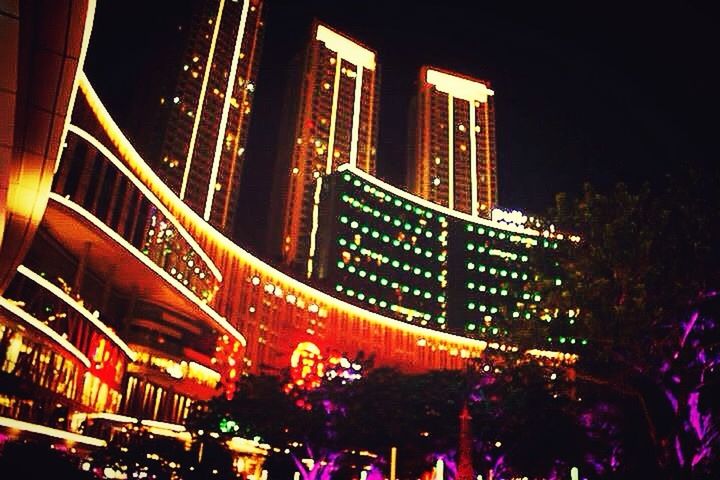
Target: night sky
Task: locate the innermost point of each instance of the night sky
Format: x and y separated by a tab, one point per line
585	91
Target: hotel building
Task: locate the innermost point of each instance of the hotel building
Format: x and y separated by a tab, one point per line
453	159
203	148
335	124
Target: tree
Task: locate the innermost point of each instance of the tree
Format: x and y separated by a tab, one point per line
644	276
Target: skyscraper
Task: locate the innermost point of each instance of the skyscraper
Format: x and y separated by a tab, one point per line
453	159
335	123
205	135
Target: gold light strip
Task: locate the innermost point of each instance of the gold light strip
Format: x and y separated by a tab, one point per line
130	154
226	108
219	320
43	328
201	100
57	291
50	432
87	32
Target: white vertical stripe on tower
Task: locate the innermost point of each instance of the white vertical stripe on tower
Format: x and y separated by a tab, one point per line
356	116
313	232
226	108
451	153
333	115
473	160
201	100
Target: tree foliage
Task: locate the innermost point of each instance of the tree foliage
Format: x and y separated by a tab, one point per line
644	273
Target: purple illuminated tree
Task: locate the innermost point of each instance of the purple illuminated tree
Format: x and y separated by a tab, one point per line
645	277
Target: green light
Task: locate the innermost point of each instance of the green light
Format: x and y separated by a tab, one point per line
353	224
346	177
408	207
503	293
527	315
416	292
350	293
441	258
407	226
494	331
491	233
383	303
406	267
383	281
470	285
469	228
342	242
493	310
352	246
372	301
501	236
493	290
428	215
524	276
493	271
524	258
373	277
428	253
537	298
396	243
471	306
406	247
470	265
228	426
516	314
364	229
482	308
376	214
513	275
481	249
427	295
558	281
441	298
386	218
428	274
418	230
351	269
341	265
470	247
441	320
361	296
583	342
482	288
339	288
503	273
562	339
397	222
398	203
375	234
405	289
481	230
481	268
343	219
417	271
471	326
428	234
418	210
395	263
362	273
357	183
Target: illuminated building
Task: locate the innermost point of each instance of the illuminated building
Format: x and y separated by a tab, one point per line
130	305
335	123
389	251
453	160
203	150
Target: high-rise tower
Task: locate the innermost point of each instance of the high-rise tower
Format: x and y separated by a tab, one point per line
453	162
204	140
336	123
